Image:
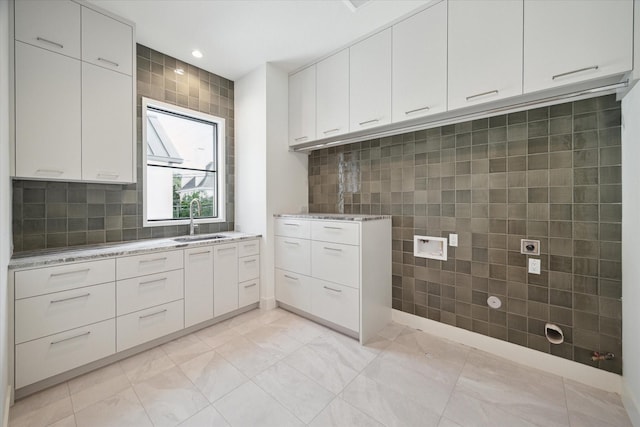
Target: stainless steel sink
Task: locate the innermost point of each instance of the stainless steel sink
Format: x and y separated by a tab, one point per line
198	238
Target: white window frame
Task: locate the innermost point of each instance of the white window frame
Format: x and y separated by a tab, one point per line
220	162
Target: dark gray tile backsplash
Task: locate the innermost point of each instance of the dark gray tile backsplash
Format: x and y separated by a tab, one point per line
551	174
60	214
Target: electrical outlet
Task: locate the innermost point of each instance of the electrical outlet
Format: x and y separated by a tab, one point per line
529	247
453	240
534	266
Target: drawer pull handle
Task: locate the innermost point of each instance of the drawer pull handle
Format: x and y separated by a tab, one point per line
250	261
70	298
250	246
149	282
42	39
292	243
226	249
331	130
84	270
301	138
106	61
291	277
333	249
416	110
71	338
153	314
292	224
568	73
153	260
333	228
478	95
250	286
108	175
332	289
199	253
49	171
366	122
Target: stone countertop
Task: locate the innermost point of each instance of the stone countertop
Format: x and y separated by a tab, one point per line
335	217
45	257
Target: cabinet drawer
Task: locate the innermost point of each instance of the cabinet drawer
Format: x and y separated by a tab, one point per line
146	325
52	25
288	227
336	232
336	263
293	289
293	255
39	281
252	247
49	314
140	265
52	355
248	292
336	303
148	291
248	268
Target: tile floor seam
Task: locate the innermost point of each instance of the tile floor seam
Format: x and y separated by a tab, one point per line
566	401
277	400
144	408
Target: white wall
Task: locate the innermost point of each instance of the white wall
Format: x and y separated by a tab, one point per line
5	198
630	239
269	178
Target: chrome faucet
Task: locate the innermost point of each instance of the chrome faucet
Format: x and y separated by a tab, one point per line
192	226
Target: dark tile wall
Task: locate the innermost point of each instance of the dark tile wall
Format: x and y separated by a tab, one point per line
60	214
551	174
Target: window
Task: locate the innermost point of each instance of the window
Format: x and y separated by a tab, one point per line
183	160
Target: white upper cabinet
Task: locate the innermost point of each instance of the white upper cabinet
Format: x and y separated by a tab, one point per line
370	82
302	106
47	114
53	25
420	64
567	41
485	51
106	42
107	125
333	95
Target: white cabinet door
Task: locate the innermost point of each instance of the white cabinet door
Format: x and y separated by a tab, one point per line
225	278
302	106
485	51
294	289
333	95
107	125
370	82
420	64
47	114
567	41
53	25
106	42
336	303
198	285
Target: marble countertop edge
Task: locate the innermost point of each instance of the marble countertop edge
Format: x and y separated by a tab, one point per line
333	216
48	257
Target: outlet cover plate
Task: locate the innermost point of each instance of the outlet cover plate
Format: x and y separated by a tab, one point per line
529	247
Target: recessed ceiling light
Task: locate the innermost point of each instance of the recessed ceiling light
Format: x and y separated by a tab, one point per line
196	53
179	71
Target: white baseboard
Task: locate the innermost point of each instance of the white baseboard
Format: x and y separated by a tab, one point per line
536	359
268	303
7	407
630	404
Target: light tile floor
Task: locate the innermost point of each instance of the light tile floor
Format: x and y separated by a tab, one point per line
273	368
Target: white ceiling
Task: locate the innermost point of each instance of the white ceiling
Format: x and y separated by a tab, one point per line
236	36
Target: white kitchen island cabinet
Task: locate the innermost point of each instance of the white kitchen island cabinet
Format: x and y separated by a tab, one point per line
335	269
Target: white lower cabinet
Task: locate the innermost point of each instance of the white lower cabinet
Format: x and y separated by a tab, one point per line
69	315
340	274
293	289
225	278
54	354
337	303
146	325
198	285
